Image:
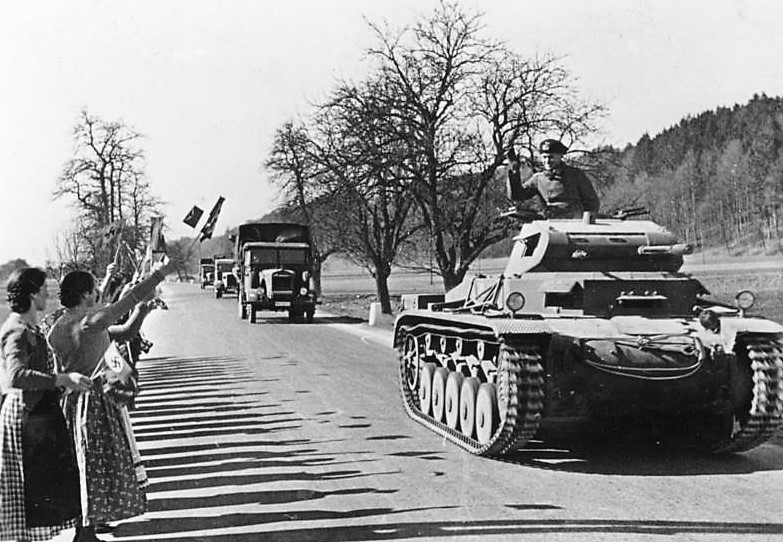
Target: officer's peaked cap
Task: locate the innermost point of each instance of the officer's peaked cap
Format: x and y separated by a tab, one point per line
552	146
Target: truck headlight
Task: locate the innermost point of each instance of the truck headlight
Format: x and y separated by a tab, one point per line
515	301
745	299
302	291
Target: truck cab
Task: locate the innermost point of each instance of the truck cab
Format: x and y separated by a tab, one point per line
225	281
275	270
206	272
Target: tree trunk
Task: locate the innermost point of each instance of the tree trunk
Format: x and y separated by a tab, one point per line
382	289
317	278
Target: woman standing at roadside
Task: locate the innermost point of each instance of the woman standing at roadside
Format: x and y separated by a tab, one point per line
39	483
80	338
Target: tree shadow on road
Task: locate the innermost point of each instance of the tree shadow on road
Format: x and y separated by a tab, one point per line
211	444
450	530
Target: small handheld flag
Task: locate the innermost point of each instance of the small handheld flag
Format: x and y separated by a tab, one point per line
209	226
157	241
193	216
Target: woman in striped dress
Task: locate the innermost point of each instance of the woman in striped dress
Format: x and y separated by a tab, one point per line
80	338
39	483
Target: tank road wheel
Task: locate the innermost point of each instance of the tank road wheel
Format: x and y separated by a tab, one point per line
251	313
453	385
242	308
467	405
425	387
439	393
411	363
486	412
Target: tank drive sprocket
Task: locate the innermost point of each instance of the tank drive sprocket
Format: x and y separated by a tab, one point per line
756	422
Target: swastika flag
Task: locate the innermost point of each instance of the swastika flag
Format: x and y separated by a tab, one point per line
194	215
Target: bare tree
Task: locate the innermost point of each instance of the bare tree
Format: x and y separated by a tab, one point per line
106	184
70	251
362	150
463	101
294	170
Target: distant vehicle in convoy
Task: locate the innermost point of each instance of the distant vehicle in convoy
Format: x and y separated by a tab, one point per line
274	266
225	280
590	319
206	272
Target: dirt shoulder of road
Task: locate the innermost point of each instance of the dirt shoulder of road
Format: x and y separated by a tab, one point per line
357	306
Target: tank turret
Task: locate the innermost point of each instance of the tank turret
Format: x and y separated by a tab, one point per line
590	318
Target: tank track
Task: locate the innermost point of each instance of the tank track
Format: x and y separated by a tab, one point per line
766	411
520	385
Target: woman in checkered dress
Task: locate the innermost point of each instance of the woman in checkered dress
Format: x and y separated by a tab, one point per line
39	484
111	489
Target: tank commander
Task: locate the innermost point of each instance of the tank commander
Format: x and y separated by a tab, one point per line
563	191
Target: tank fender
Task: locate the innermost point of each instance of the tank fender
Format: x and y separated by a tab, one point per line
730	327
451	322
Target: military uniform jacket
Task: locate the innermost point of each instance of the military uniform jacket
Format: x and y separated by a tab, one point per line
567	185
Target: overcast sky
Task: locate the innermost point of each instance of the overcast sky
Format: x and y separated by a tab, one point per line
208	82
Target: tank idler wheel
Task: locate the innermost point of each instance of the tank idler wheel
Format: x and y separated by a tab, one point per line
425	387
411	363
486	412
453	386
251	313
439	393
467	405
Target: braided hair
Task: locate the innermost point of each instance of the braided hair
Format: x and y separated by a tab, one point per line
22	284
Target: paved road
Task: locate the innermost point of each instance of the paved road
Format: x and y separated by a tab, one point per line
295	432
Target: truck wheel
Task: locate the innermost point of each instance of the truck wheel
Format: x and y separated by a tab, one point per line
242	308
218	294
251	313
309	314
293	315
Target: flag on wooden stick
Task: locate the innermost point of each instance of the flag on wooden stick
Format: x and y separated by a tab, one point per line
157	241
193	216
209	226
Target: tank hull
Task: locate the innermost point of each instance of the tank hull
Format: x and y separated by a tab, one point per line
538	368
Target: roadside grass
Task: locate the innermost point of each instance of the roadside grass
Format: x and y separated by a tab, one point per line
723	287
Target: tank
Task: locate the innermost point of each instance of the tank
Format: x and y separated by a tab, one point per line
590	319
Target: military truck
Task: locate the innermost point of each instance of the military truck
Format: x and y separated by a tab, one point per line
275	270
225	280
206	272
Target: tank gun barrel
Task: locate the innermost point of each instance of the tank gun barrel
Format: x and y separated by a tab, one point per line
622	214
678	249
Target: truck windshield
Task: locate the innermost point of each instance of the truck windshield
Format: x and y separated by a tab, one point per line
224	266
276	257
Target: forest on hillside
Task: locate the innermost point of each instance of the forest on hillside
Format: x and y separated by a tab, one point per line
716	179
